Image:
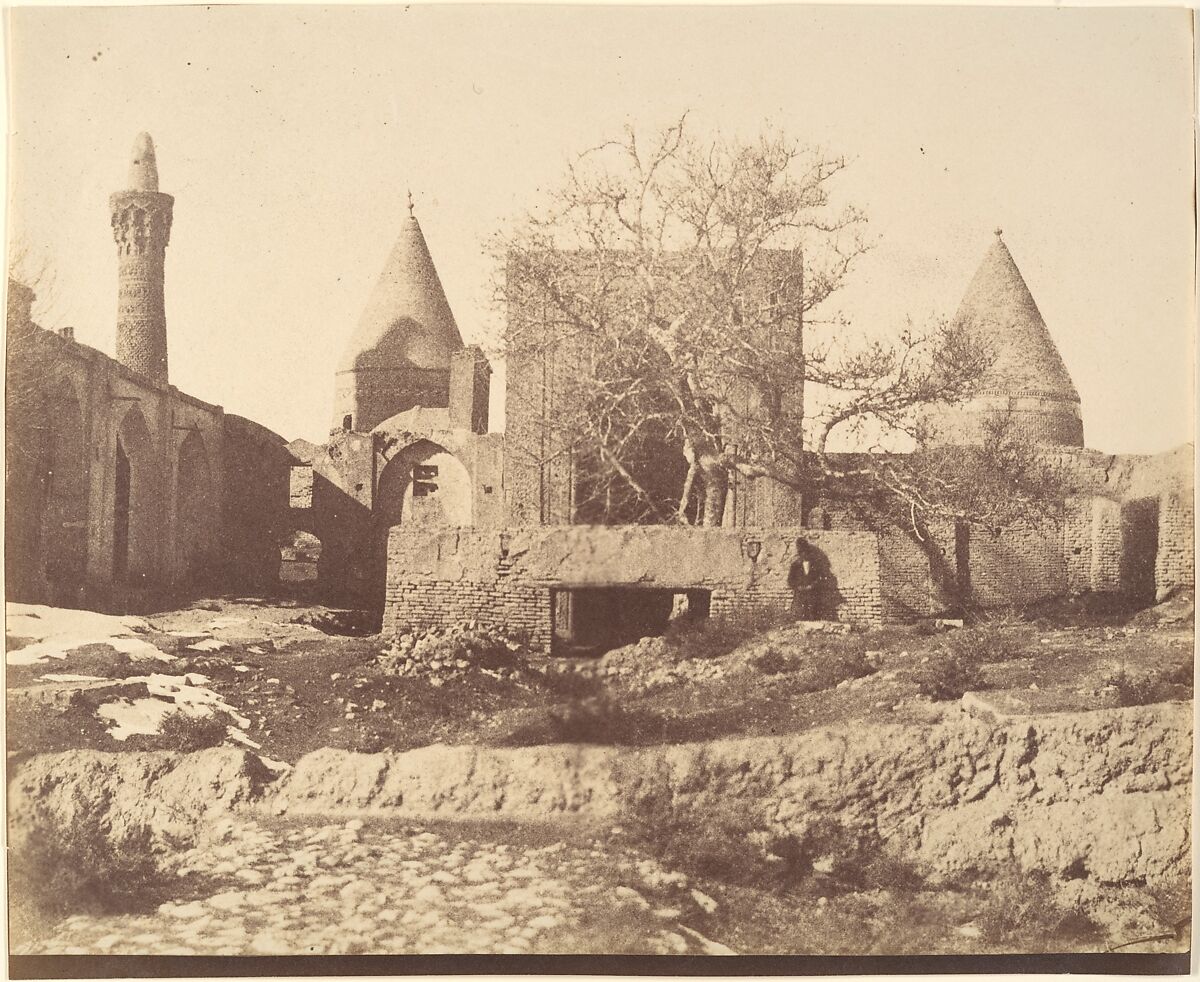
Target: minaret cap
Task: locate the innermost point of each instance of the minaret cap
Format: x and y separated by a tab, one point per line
143	169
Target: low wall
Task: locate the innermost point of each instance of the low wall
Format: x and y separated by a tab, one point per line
504	578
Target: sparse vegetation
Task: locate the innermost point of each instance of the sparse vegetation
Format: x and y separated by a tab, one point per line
187	734
994	640
1027	913
80	869
716	637
948	676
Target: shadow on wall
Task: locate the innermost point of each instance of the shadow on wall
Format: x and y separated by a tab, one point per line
815	593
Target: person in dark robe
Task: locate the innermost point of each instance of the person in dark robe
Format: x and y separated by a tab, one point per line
804	582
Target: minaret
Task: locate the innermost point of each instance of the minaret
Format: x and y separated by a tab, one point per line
141	223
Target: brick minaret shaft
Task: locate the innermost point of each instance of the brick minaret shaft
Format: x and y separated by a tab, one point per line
141	223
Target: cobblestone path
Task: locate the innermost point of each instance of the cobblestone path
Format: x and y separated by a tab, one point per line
350	889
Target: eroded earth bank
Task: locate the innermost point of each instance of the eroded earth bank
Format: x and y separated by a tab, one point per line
1001	818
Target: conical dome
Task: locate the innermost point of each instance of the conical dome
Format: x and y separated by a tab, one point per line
1001	311
1027	390
407	321
399	356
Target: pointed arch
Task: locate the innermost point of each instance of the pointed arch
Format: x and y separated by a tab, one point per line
137	500
423	484
195	508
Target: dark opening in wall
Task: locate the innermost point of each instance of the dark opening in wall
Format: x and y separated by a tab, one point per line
121	515
348	422
590	621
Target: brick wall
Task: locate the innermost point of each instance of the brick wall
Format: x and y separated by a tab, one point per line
1017	565
1175	565
919	577
504	578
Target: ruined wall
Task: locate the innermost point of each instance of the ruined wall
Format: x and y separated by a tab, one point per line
504	577
257	470
1092	544
1175	563
1103	794
70	409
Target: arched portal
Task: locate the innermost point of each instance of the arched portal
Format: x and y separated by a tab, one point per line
299	560
137	501
64	517
195	509
424	484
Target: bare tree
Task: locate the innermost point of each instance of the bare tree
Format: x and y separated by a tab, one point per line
677	296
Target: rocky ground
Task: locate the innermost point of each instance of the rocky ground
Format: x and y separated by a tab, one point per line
348	889
277	682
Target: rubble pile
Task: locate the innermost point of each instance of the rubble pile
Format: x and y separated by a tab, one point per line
440	654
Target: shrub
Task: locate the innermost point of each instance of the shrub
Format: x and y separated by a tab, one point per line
948	676
1026	913
186	734
824	664
78	869
993	641
733	844
716	637
592	719
770	661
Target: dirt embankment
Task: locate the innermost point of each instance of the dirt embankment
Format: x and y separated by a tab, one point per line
1103	794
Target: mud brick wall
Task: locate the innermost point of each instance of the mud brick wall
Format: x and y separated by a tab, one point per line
1175	564
504	578
1016	565
1092	545
918	578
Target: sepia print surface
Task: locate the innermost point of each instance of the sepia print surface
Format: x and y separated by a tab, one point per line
537	480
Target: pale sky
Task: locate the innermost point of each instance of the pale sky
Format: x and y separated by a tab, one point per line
288	136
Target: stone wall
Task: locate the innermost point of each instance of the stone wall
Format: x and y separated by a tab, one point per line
504	578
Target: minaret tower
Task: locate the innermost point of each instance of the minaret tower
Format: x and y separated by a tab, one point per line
141	223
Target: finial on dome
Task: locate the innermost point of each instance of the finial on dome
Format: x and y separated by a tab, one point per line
143	169
999	231
410	204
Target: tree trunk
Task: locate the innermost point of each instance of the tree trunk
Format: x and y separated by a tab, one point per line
716	490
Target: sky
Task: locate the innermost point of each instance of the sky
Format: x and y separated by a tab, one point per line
290	135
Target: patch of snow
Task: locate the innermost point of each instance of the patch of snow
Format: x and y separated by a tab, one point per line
57	631
239	737
168	694
195	700
255	649
208	644
130	716
138	650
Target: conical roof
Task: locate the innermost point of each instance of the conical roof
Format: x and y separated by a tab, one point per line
407	322
1002	313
